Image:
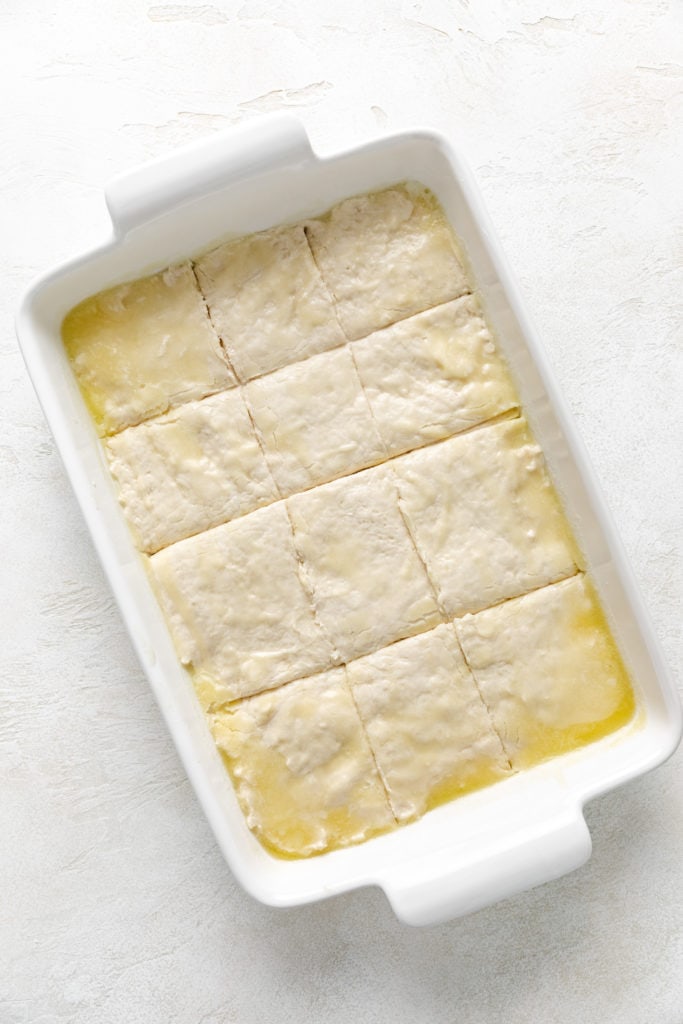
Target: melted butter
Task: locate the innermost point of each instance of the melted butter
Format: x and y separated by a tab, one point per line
479	776
141	347
615	704
549	670
293	835
302	768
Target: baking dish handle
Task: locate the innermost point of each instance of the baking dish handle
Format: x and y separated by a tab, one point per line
425	893
152	189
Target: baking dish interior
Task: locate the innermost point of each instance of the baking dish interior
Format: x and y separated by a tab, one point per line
254	199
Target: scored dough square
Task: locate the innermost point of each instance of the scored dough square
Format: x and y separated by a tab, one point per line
485	516
302	768
386	256
369	586
268	301
189	470
140	348
237	609
549	670
428	728
315	421
433	375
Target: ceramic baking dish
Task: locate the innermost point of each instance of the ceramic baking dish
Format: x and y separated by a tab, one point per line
487	845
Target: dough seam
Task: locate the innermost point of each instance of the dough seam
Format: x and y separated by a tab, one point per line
380	774
243	392
221	346
368	404
505	600
418	553
485	706
523	593
328	287
307	584
509	414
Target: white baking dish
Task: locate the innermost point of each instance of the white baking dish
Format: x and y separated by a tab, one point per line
484	846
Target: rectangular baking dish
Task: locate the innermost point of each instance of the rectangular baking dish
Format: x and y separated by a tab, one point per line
487	845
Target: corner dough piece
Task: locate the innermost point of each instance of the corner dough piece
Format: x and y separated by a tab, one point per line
549	671
315	421
428	728
485	517
369	586
433	375
268	301
302	768
237	609
142	347
386	256
189	470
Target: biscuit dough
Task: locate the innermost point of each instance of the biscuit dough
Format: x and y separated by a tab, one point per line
315	421
142	347
433	375
369	587
302	768
386	256
267	301
189	470
485	517
428	728
237	608
549	670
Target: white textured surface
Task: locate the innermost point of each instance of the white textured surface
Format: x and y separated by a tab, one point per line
116	903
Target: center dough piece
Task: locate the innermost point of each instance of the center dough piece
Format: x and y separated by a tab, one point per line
267	301
428	728
549	670
302	768
369	586
237	608
433	375
386	256
142	347
485	516
194	468
315	421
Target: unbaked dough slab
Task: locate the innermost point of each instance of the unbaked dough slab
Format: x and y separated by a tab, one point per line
369	586
314	420
302	767
433	375
238	611
386	256
549	670
267	301
143	347
429	730
189	470
485	516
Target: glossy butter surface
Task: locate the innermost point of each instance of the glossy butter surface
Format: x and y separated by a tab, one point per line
302	767
144	346
549	669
